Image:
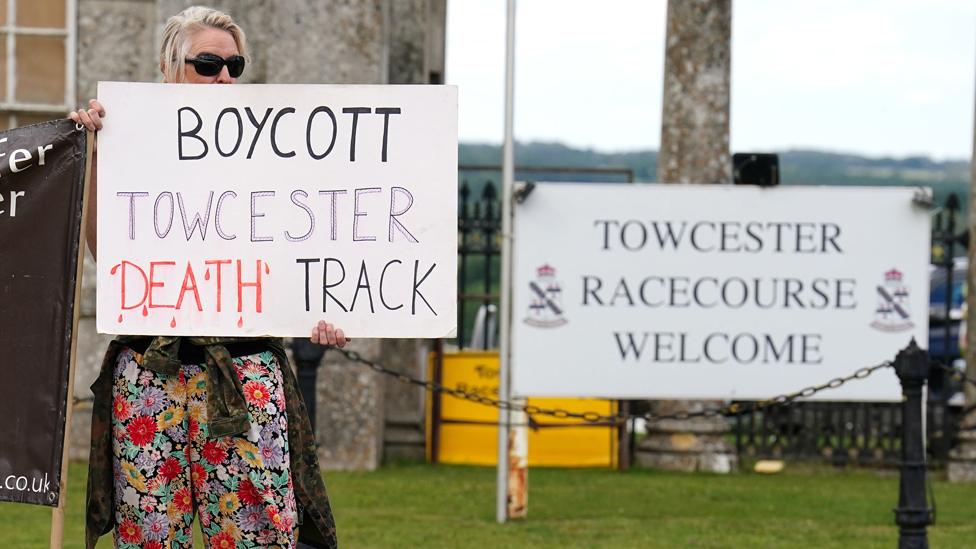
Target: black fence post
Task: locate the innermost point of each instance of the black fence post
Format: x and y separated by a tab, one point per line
913	514
464	229
307	357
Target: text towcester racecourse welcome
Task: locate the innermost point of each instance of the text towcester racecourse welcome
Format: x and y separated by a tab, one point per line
263	208
708	291
715	291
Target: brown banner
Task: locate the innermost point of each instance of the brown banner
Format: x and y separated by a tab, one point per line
42	172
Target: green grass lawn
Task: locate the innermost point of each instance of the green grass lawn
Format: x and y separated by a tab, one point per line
451	506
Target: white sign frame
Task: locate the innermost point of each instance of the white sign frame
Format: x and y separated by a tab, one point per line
199	175
578	353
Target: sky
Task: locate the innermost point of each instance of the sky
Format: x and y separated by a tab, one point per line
874	77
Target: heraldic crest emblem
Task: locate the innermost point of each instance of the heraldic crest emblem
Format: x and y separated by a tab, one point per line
545	308
892	313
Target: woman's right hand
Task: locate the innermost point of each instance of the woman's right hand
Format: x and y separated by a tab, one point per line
324	333
90	118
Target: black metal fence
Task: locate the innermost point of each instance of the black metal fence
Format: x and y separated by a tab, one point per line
840	433
479	262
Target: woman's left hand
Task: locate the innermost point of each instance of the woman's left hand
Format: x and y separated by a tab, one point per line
90	118
324	333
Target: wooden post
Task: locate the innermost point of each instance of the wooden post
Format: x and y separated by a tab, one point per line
57	514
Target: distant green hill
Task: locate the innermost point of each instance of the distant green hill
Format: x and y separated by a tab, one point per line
798	167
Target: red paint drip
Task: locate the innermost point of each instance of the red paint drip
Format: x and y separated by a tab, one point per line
206	275
267	269
120	319
172	323
145	311
240	322
115	269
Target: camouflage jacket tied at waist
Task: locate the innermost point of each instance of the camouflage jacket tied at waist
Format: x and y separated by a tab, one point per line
227	415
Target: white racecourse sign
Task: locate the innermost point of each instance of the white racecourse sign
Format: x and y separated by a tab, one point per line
695	291
257	210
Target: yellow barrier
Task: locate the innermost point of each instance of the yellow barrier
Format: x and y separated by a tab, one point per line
468	434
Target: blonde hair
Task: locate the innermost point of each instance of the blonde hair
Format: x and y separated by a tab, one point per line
181	27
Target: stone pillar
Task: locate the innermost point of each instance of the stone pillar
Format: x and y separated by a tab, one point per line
694	149
416	56
349	426
695	118
404	433
116	41
962	458
417	33
436	41
408	29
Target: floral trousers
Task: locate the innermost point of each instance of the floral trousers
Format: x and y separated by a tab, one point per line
167	468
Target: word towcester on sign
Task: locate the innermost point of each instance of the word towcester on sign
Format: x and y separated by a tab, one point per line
258	210
694	291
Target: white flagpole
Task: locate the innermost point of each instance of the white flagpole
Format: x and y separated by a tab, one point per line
508	178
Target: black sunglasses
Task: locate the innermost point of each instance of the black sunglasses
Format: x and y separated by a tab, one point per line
208	64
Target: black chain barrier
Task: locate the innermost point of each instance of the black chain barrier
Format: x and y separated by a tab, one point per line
730	410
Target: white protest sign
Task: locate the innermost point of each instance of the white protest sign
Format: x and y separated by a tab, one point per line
708	291
259	209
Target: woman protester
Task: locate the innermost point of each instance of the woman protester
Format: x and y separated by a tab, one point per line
208	425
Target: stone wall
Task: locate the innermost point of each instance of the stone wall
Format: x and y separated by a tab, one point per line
298	41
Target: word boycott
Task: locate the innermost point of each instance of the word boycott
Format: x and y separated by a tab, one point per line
321	127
